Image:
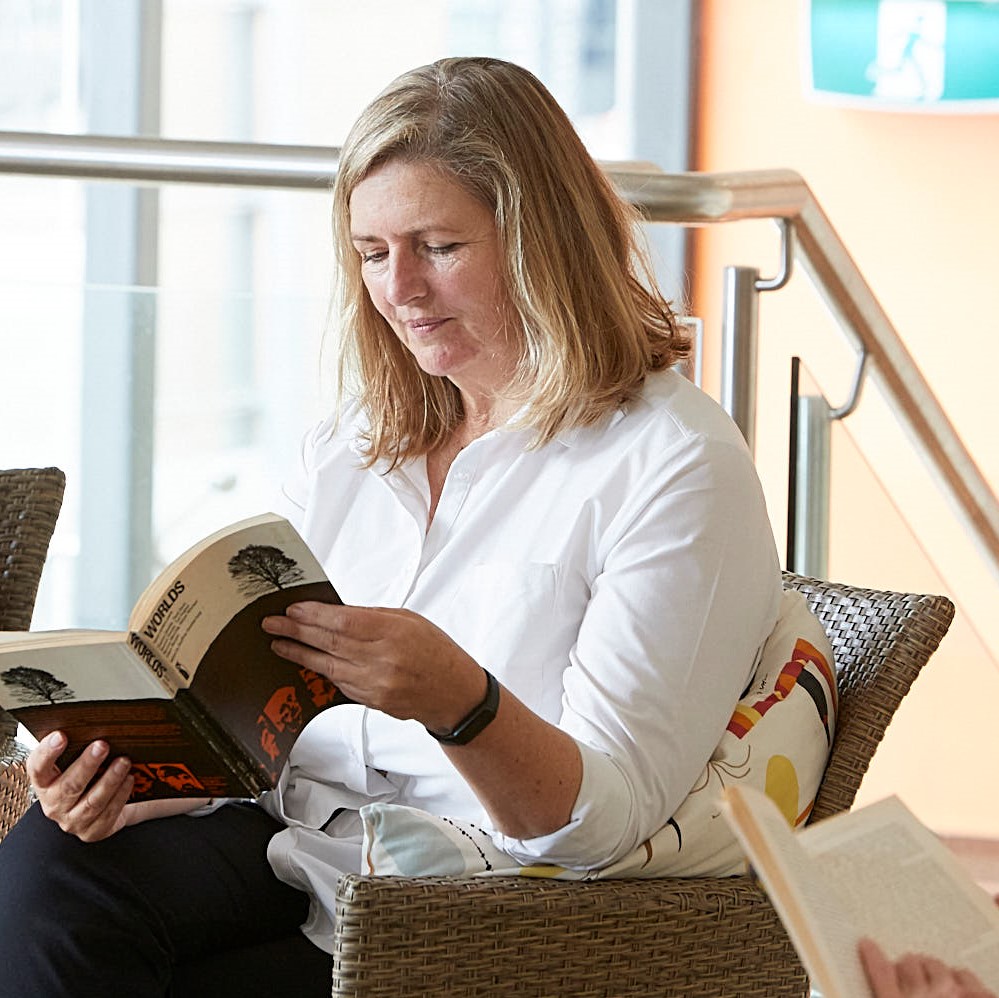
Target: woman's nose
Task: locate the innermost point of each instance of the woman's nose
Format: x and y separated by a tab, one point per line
405	281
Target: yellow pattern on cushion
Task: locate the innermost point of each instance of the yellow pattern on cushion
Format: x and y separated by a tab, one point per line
782	786
778	741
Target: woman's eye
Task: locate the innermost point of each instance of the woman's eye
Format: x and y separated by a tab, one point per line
442	250
373	256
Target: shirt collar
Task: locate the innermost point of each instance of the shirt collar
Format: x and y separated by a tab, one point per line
571	437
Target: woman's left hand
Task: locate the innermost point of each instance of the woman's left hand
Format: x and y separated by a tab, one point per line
393	660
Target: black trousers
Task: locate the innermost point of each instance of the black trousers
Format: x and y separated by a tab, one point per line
178	906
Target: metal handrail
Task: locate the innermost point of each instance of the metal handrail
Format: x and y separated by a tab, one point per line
684	199
167	161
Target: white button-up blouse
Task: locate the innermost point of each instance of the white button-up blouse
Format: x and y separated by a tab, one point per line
619	580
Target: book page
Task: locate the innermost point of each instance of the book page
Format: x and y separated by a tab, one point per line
63	667
810	913
874	872
192	600
900	885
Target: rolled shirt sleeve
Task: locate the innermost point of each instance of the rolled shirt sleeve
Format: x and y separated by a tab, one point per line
687	593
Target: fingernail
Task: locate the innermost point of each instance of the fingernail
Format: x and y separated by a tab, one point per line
295	611
98	749
121	766
56	740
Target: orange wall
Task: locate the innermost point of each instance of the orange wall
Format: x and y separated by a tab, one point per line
915	199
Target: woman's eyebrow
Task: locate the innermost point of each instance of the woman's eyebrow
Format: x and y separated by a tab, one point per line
417	231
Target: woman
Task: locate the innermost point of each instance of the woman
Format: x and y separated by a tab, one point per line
554	550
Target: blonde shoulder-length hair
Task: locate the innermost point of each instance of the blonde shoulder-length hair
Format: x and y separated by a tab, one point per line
592	321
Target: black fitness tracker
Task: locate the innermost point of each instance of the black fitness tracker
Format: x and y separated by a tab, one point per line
473	723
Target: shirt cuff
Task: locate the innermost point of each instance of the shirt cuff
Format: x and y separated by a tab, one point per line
601	829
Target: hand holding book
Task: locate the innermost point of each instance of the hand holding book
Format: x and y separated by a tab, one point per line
916	975
391	659
87	808
192	693
873	873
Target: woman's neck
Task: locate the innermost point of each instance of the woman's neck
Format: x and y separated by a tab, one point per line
480	416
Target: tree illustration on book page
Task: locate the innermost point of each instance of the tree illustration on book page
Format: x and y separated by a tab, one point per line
259	568
35	685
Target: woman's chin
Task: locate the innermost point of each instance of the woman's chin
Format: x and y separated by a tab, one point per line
442	363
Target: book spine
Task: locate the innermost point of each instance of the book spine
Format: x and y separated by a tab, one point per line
244	771
164	672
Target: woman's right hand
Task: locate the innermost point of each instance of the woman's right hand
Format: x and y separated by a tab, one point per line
82	806
93	809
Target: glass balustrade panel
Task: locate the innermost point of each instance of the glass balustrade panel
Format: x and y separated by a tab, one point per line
878	538
173	409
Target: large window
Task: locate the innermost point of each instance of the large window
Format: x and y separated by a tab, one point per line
162	346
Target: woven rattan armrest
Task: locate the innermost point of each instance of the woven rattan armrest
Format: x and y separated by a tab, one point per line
522	936
15	790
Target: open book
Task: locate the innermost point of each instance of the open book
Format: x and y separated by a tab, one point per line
191	692
875	872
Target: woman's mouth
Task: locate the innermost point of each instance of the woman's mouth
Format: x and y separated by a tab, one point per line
425	326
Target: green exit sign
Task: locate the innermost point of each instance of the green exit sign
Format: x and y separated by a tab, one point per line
932	55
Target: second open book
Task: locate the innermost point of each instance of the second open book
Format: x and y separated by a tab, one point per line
875	872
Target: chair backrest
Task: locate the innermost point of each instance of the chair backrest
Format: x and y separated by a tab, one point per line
30	500
881	640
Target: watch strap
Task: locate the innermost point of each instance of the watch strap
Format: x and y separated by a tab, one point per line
477	719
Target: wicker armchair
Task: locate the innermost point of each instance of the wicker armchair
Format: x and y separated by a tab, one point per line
678	937
720	937
30	500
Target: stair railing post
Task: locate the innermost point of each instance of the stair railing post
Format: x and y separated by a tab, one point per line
811	513
740	322
740	318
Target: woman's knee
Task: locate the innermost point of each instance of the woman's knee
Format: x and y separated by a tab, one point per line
132	906
32	851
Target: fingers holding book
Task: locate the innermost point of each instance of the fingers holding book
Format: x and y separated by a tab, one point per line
91	806
391	659
83	804
916	975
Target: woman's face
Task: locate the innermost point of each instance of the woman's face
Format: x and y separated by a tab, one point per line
430	260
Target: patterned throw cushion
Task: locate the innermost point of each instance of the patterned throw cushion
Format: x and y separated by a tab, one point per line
777	740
